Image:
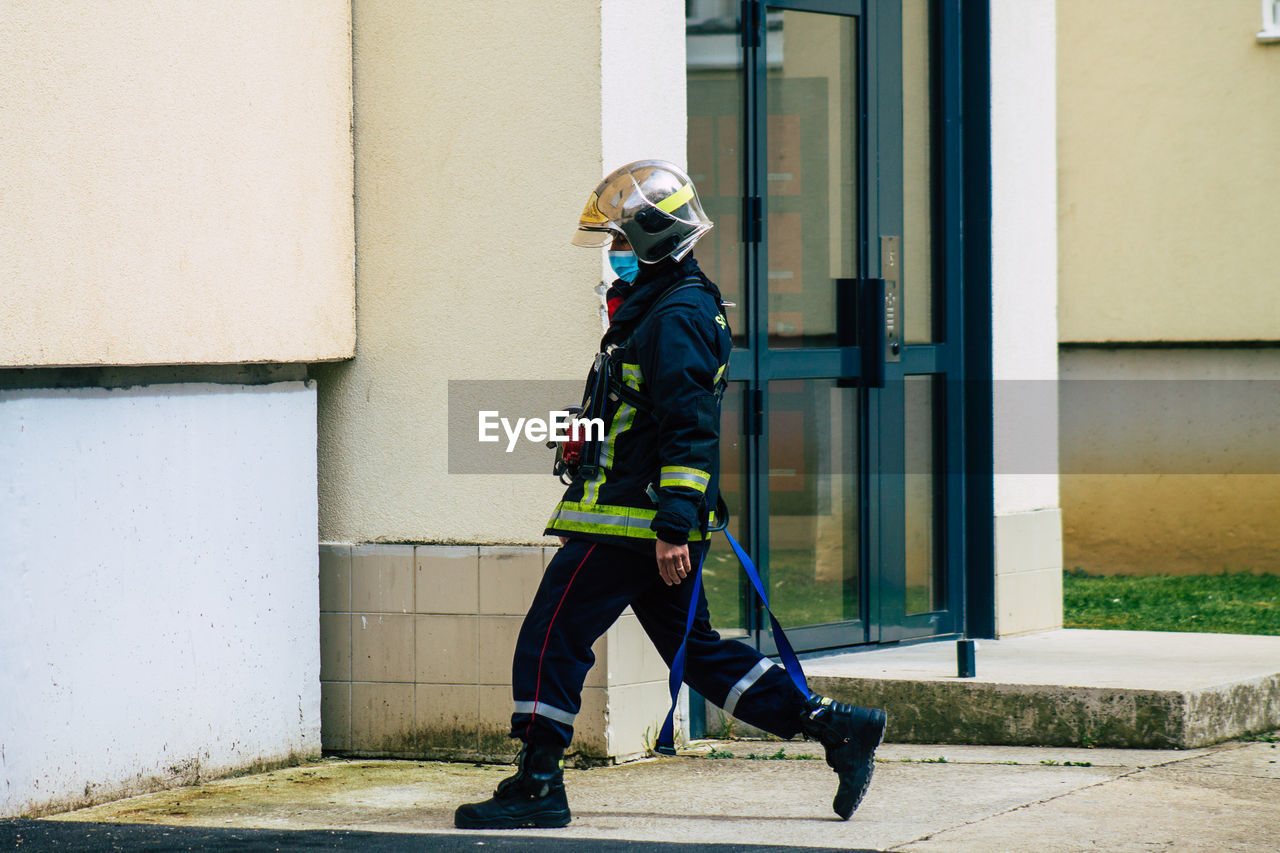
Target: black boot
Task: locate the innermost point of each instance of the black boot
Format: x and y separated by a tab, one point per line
850	735
534	796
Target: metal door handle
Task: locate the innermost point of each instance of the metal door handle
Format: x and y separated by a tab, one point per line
871	330
847	290
861	323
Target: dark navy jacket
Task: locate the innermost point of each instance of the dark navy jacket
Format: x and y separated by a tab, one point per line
675	355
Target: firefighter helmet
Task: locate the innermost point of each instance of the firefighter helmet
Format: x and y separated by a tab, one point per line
653	204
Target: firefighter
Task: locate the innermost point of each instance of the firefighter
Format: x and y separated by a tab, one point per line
633	522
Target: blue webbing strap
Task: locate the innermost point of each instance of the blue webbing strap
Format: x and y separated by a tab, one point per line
788	655
666	737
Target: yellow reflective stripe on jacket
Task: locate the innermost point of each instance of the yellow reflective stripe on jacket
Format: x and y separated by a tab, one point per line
632	522
623	420
719	372
690	478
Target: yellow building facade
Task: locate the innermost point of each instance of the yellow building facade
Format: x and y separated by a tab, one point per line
1169	310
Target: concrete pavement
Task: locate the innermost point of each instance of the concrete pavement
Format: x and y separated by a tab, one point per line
1126	689
954	798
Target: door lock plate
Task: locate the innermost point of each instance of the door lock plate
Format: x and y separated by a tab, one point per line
891	272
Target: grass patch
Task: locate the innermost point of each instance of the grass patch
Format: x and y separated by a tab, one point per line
1241	603
780	755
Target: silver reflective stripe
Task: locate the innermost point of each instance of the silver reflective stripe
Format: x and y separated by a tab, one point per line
700	480
600	518
744	684
542	709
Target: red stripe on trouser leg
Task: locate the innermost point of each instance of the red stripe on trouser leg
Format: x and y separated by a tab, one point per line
537	687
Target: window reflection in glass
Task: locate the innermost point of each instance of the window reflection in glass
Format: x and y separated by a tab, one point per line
813	501
714	100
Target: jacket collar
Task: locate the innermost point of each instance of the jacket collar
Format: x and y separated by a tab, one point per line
653	281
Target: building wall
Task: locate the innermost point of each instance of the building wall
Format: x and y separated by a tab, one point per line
177	182
477	142
159	623
1171	460
642	82
478	136
177	243
470	176
1167	128
416	662
1024	322
1167	141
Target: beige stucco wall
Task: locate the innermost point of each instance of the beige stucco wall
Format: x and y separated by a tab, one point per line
176	181
1167	142
478	135
478	138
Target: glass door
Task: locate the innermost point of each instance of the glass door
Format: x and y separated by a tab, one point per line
809	139
806	268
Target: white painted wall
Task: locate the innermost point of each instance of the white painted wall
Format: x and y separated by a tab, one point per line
1024	280
159	587
642	82
1024	253
643	113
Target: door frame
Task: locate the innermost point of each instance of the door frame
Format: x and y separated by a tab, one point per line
961	184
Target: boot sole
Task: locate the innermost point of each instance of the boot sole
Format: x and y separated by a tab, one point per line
538	820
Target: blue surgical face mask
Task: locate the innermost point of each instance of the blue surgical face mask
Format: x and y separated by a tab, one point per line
625	265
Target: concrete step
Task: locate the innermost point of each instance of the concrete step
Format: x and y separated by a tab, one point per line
1125	689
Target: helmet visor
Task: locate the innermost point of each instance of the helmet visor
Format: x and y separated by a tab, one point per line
592	238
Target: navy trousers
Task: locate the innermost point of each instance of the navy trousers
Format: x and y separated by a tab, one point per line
584	590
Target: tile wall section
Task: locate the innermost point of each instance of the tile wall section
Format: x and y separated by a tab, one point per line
1028	572
415	649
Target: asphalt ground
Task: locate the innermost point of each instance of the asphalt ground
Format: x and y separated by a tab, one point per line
84	837
745	795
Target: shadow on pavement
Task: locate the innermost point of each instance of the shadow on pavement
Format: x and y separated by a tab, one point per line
42	835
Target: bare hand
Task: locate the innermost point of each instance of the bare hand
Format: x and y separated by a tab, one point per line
563	540
673	562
